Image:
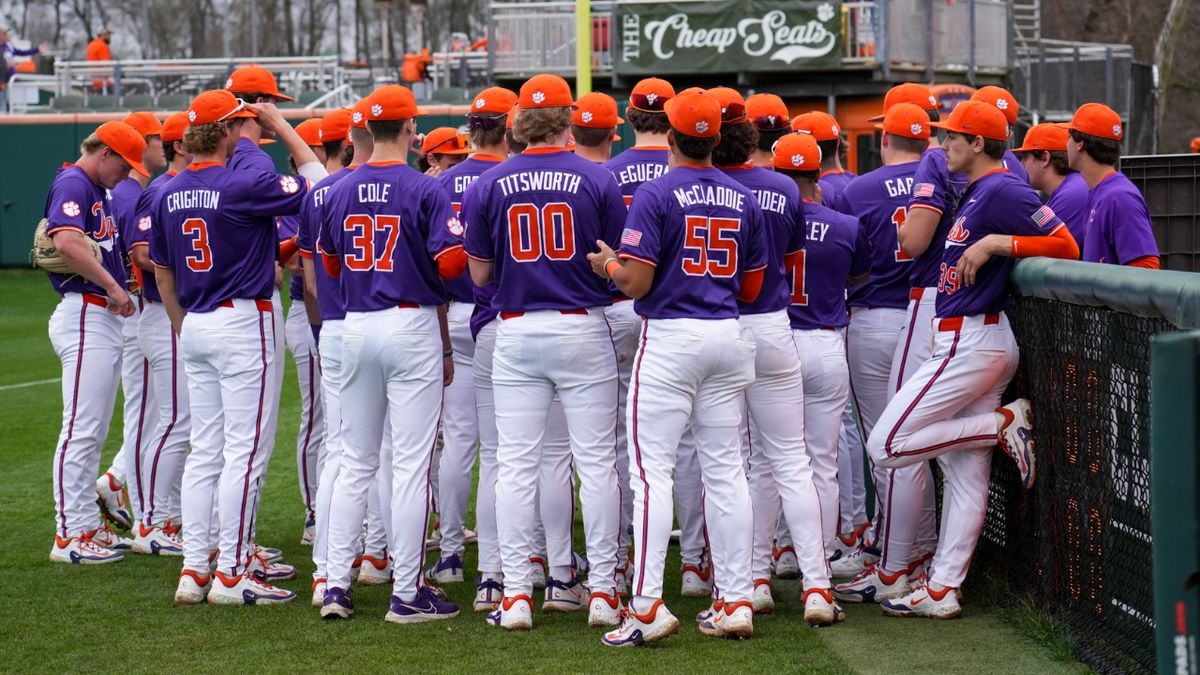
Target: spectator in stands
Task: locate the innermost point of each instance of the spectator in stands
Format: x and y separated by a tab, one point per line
1118	229
7	67
415	73
98	49
1044	156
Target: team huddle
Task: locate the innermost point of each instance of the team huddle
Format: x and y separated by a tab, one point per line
712	328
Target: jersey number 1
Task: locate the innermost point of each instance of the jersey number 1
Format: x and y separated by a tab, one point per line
799	296
898	218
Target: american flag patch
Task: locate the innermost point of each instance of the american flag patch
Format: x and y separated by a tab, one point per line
631	237
1044	216
923	190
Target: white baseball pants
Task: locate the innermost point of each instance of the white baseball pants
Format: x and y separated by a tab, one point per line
947	411
391	363
162	467
689	501
229	357
310	435
852	488
460	432
537	355
485	496
140	413
691	370
272	418
626	327
826	393
88	342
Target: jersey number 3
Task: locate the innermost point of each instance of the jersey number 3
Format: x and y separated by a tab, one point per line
536	232
201	259
709	246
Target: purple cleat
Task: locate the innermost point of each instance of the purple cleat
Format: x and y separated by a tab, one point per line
338	604
427	606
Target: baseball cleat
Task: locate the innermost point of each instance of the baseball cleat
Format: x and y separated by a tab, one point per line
82	550
309	535
872	585
648	627
853	565
697	581
537	572
580	564
709	621
845	544
925	602
676	535
447	570
1016	438
155	540
787	565
820	609
427	606
623	574
565	596
761	599
106	537
373	571
434	541
193	587
336	604
264	570
318	592
110	495
738	622
604	610
470	536
487	594
244	589
270	553
515	613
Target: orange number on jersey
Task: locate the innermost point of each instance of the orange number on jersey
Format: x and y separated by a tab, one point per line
709	246
898	218
799	272
533	232
363	229
198	230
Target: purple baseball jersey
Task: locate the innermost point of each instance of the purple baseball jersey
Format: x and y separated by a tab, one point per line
144	223
635	166
879	199
76	203
701	230
832	183
215	229
388	223
783	218
935	188
1014	166
1070	202
1118	223
537	216
484	313
996	203
835	249
455	182
122	203
248	156
330	305
287	227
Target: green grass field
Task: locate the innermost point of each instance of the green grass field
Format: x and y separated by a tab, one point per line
90	619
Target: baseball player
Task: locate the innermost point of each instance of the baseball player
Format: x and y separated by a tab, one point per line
444	147
1043	154
529	222
769	114
1002	99
88	339
948	408
162	468
828	133
593	126
213	243
694	245
1118	223
390	248
880	200
774	445
309	131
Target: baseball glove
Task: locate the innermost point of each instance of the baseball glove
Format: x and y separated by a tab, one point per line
46	256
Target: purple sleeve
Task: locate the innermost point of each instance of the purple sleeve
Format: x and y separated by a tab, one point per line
756	239
287	226
1127	228
796	238
66	207
860	263
269	194
640	238
1025	213
326	242
140	233
615	212
160	250
478	240
445	229
304	228
930	184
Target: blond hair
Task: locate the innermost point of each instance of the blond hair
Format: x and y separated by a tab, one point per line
540	125
203	139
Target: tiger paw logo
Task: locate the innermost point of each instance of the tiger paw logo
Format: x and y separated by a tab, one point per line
455	226
959	233
191	115
586	117
1002	103
1117	130
701	127
71	209
143	224
538	97
835	129
376	110
479	103
229	83
651	98
916	129
357	118
289	185
797	160
932	101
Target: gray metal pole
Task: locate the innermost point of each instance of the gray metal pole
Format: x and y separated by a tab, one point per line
1108	75
883	38
929	50
1075	79
253	27
971	42
491	50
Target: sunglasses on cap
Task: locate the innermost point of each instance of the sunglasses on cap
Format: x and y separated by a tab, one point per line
482	122
770	122
647	102
733	113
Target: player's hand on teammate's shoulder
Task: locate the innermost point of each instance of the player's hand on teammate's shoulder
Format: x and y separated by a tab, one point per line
977	255
600	257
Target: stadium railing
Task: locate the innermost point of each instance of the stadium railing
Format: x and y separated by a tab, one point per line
1098	343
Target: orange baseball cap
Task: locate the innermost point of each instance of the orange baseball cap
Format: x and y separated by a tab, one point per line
796	152
596	111
1096	119
1045	137
493	101
144	122
906	119
173	127
255	80
358	114
512	117
217	105
767	111
126	142
391	102
695	113
976	118
821	125
545	91
310	131
445	141
733	106
908	92
335	126
651	94
1196	144
999	97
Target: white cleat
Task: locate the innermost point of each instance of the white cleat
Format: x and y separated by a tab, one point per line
853	565
373	571
604	610
537	572
820	609
318	592
270	553
845	544
309	534
925	602
193	587
1016	438
82	550
515	613
787	565
873	585
244	589
487	594
155	540
470	536
106	537
636	629
696	581
110	495
762	600
264	570
564	596
727	620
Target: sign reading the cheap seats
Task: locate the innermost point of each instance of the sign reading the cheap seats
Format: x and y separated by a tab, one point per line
726	36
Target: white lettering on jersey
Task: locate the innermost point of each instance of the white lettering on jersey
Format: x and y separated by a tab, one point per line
193	199
772	201
898	186
709	195
373	193
817	230
539	181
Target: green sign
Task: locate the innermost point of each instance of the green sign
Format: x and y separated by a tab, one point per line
725	36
